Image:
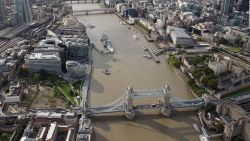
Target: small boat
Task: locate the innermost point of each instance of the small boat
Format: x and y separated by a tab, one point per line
147	56
107	72
135	37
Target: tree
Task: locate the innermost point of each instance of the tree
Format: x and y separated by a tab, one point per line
223	41
71	93
220	126
238	41
23	72
178	46
197	60
43	73
212	83
174	61
191	82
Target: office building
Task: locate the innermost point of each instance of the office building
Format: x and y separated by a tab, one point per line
48	62
227	6
23	11
179	36
2	12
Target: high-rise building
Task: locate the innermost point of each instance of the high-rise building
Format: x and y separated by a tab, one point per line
242	5
227	6
23	11
2	12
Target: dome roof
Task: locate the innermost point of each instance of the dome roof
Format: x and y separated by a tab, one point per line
75	69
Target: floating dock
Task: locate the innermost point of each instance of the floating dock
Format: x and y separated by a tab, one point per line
153	55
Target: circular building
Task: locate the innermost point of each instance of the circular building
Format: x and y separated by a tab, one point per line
75	69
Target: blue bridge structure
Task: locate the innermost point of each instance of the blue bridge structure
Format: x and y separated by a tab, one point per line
126	104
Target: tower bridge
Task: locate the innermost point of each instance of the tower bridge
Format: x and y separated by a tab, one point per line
126	103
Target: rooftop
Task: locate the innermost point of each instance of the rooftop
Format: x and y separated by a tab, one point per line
178	32
38	56
51	131
42	114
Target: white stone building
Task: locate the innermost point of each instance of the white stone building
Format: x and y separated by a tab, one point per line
217	67
179	36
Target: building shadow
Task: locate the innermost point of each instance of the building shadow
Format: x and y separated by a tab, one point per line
96	86
98	137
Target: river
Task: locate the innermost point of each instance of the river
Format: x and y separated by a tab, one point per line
129	67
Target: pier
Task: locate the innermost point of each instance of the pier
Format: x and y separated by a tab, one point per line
153	55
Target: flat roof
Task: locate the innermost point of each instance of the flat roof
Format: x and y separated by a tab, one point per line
71	114
56	115
42	56
42	114
51	131
178	32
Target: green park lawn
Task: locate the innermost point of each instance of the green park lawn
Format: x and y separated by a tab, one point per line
234	49
238	93
71	91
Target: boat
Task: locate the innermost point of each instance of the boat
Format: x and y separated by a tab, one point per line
109	47
91	26
107	72
147	56
107	43
135	37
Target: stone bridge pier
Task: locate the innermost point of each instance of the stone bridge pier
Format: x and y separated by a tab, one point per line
166	105
129	105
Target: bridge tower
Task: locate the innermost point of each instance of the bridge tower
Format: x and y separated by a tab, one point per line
129	105
166	106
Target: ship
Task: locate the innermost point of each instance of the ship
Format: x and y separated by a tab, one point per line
107	43
85	129
107	72
109	46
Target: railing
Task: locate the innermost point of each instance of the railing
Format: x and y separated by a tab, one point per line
92	10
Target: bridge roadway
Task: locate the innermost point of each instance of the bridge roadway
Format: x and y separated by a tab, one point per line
122	108
125	102
105	10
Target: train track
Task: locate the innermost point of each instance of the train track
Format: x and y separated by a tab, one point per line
6	44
